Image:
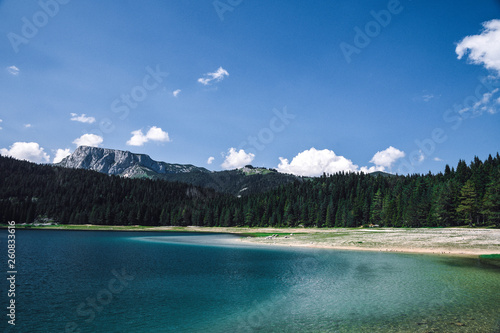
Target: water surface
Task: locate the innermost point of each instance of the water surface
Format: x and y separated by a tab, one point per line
99	281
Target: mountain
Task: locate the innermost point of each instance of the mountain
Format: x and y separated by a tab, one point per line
381	174
238	182
123	163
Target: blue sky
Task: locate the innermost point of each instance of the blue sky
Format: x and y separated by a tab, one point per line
305	87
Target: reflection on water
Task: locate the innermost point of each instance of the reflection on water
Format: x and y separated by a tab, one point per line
206	283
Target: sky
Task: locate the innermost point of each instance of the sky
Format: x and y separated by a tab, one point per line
304	87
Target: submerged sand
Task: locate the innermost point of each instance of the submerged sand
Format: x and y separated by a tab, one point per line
455	241
448	241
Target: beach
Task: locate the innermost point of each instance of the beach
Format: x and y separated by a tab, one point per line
441	241
449	241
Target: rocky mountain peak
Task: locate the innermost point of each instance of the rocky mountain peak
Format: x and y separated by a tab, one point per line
120	162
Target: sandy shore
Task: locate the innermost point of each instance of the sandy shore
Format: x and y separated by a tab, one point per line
444	241
449	241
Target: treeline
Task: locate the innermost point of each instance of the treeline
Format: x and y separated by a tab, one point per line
466	195
31	192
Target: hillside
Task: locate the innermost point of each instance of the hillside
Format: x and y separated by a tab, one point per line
467	195
238	182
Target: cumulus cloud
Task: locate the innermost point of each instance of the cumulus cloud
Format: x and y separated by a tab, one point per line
437	159
210	160
386	158
30	151
154	134
237	159
371	169
91	140
216	76
13	70
82	118
483	49
0	123
61	154
27	125
315	162
176	92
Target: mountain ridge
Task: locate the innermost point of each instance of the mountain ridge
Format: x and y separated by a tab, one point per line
122	163
238	182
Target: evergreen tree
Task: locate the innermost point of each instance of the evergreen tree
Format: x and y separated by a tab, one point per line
330	215
376	207
491	201
467	207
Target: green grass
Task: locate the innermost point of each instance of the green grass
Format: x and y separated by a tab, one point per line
490	256
265	234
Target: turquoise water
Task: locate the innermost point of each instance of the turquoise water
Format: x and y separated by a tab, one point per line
97	281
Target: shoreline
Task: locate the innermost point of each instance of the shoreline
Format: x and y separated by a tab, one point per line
463	242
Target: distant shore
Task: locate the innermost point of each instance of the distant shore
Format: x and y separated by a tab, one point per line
443	241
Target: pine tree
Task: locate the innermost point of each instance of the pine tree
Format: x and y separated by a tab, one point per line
330	215
376	207
467	207
491	201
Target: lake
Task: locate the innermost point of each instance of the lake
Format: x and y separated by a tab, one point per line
99	281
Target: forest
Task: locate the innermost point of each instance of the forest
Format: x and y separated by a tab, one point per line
465	195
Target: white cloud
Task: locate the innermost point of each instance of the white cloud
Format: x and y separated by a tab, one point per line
437	159
30	151
154	134
210	160
91	140
237	159
82	118
216	76
0	122
386	158
61	154
483	49
314	163
428	97
138	138
421	156
157	134
13	70
27	125
485	104
371	169
176	92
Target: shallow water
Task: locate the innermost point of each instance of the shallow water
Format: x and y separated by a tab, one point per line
173	282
